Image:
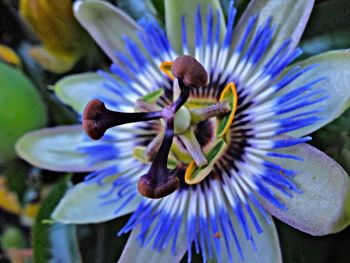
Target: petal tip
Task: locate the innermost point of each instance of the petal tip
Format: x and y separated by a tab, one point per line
76	6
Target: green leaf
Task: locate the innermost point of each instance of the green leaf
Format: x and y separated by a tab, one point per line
21	109
240	5
299	247
83	204
334	140
174	10
328	28
159	6
99	242
54	242
16	173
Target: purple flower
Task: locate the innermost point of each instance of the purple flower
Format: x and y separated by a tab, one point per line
221	154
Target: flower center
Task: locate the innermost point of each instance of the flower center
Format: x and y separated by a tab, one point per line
198	128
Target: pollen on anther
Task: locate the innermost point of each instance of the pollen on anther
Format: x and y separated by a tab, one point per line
190	71
90	115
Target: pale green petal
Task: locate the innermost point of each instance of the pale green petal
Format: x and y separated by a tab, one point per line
56	149
322	207
133	252
106	24
289	17
82	204
334	66
267	244
77	90
175	9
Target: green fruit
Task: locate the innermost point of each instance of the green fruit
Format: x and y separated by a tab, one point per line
21	109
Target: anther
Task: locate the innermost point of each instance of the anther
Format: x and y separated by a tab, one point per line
193	147
190	71
148	187
159	181
153	147
97	118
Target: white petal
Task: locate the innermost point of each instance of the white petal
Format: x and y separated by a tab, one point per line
77	90
174	10
267	244
106	24
289	17
83	205
322	208
334	66
56	149
133	252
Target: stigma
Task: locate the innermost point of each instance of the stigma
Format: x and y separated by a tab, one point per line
159	181
178	120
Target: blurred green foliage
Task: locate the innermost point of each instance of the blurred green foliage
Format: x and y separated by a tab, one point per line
328	28
21	109
334	140
54	242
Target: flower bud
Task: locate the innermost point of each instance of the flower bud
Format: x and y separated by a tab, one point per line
64	40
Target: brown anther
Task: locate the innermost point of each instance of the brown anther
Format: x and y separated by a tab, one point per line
217	234
148	188
91	115
190	71
97	118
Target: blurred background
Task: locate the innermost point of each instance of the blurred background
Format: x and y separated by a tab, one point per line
41	42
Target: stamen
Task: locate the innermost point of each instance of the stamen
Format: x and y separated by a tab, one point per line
158	182
190	71
97	118
202	114
154	146
193	147
195	174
